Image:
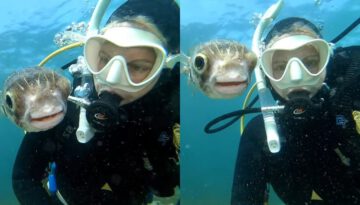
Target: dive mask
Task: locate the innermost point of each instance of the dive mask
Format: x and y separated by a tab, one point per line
116	73
296	63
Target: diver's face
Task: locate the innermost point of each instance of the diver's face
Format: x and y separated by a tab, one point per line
139	60
307	54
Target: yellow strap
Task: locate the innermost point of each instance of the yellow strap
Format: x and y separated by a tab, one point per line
60	50
106	187
247	98
176	136
356	116
315	196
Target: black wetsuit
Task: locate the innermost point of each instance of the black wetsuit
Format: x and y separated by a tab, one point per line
320	154
135	159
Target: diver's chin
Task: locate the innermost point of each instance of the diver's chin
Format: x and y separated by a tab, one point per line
295	92
106	89
231	89
45	122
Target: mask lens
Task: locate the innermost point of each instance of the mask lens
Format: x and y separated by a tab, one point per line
139	70
139	61
103	60
278	64
312	63
127	61
314	56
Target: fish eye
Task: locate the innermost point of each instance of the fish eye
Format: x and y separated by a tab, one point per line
9	101
200	62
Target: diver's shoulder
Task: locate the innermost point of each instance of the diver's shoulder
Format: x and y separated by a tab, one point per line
72	111
171	74
255	125
257	120
354	48
342	55
345	55
70	121
344	67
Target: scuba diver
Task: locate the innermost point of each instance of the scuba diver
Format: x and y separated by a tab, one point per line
319	159
133	155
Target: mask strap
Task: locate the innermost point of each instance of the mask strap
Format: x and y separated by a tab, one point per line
171	60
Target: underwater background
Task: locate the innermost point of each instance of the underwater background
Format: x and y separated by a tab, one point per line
27	31
208	160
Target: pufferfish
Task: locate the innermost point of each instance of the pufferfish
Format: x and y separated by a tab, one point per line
35	98
221	68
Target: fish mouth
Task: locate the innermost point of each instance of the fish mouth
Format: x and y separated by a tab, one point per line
234	83
45	121
231	87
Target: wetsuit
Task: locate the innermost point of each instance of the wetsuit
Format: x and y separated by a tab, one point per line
123	165
319	154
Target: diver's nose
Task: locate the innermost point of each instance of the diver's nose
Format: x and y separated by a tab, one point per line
295	71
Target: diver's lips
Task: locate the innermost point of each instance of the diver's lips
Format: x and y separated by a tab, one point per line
47	117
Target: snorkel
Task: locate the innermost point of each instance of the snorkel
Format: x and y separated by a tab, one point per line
96	17
268	106
85	132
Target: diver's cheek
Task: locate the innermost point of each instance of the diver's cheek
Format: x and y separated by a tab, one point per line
129	97
99	87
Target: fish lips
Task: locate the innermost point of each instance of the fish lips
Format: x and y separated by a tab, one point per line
231	87
41	121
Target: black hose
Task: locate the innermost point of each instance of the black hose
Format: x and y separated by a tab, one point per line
68	64
253	102
346	31
236	115
228	115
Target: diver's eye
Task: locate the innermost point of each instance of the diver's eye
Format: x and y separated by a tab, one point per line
200	62
9	101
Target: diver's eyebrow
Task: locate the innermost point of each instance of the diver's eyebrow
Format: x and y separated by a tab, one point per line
279	61
312	56
141	62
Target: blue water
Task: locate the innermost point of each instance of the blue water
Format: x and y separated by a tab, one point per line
27	30
207	161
